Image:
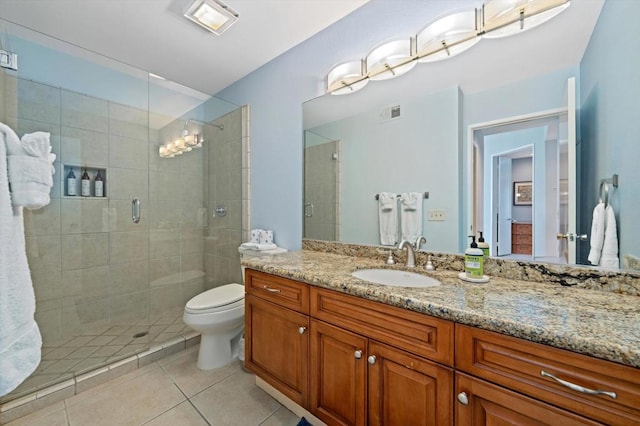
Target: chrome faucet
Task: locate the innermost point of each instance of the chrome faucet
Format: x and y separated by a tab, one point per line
411	255
419	241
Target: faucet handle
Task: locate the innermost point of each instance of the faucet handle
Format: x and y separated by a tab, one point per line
429	266
390	260
419	241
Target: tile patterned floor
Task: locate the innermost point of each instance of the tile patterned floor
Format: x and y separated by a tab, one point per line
96	347
171	391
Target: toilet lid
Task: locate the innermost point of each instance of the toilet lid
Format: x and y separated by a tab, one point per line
216	297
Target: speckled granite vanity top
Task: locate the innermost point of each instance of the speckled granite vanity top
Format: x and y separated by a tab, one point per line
601	324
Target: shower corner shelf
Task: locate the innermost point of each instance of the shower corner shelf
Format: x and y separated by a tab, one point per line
77	171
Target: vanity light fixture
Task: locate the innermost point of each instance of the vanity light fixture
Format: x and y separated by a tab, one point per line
212	15
448	36
348	77
503	18
444	38
391	59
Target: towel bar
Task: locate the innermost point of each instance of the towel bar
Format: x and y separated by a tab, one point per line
377	196
604	184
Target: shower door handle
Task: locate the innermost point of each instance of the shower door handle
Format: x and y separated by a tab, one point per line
135	210
308	210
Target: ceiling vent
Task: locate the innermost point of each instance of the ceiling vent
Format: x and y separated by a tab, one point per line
390	113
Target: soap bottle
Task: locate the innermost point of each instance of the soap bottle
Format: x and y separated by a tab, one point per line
98	185
474	260
85	187
71	183
482	245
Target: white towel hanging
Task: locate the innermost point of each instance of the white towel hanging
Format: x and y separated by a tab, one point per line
20	340
388	215
604	238
411	215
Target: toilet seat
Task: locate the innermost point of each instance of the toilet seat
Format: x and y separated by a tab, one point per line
217	299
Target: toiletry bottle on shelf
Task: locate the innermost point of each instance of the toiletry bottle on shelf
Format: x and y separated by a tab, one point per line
98	185
482	245
85	187
71	183
474	260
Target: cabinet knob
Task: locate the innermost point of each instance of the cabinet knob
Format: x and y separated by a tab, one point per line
358	354
462	397
301	330
372	359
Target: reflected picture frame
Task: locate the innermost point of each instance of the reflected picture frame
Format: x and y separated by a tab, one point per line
522	193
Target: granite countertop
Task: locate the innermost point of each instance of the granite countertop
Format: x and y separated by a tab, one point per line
600	324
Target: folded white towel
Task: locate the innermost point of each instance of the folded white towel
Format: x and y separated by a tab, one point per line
409	200
30	168
388	215
604	238
258	246
411	215
20	340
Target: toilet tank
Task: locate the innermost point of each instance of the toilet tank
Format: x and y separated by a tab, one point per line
257	253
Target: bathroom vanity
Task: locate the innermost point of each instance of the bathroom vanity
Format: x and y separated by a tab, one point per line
355	353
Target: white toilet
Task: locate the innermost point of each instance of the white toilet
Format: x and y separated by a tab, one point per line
218	314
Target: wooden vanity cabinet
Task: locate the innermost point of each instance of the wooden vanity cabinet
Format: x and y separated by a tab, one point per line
356	379
276	333
526	367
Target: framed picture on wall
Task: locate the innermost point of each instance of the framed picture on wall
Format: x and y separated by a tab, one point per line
522	193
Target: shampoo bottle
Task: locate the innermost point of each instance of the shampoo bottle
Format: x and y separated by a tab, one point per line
483	246
98	185
474	260
85	184
71	183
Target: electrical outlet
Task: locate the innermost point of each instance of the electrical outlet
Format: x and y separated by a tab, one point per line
436	215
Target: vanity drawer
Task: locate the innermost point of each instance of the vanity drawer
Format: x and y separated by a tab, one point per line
518	364
285	292
420	334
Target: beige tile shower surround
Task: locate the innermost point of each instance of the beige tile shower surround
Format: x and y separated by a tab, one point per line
92	268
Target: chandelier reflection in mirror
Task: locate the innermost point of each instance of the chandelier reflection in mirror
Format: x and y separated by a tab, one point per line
444	38
187	142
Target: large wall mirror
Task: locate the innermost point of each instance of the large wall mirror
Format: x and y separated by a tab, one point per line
446	127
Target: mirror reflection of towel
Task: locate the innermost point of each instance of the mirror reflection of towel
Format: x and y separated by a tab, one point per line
411	215
604	238
388	216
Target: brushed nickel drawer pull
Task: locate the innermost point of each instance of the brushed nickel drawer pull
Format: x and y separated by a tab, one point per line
578	388
301	330
271	290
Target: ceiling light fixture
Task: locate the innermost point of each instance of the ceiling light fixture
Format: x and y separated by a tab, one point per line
346	78
212	15
391	59
448	36
503	18
444	38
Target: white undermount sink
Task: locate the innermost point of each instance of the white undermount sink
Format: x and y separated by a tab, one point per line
395	278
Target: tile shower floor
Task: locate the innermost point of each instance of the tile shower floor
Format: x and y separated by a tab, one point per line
171	391
95	347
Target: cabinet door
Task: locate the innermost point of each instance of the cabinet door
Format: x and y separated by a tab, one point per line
482	403
338	375
407	390
277	347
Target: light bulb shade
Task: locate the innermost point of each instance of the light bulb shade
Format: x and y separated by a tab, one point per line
390	60
502	18
346	78
163	151
448	36
180	144
172	148
191	140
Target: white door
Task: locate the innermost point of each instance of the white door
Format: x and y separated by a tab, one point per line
570	209
505	184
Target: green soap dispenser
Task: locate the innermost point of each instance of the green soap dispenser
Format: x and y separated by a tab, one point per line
483	246
474	260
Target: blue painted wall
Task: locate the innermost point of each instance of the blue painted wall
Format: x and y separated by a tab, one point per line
610	118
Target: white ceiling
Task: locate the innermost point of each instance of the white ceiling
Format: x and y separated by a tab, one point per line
154	36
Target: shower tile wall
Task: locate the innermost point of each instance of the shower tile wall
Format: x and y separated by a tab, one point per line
322	190
91	267
226	170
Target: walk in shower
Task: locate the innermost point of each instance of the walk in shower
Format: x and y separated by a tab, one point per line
108	286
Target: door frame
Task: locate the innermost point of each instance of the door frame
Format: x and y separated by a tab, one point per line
473	221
